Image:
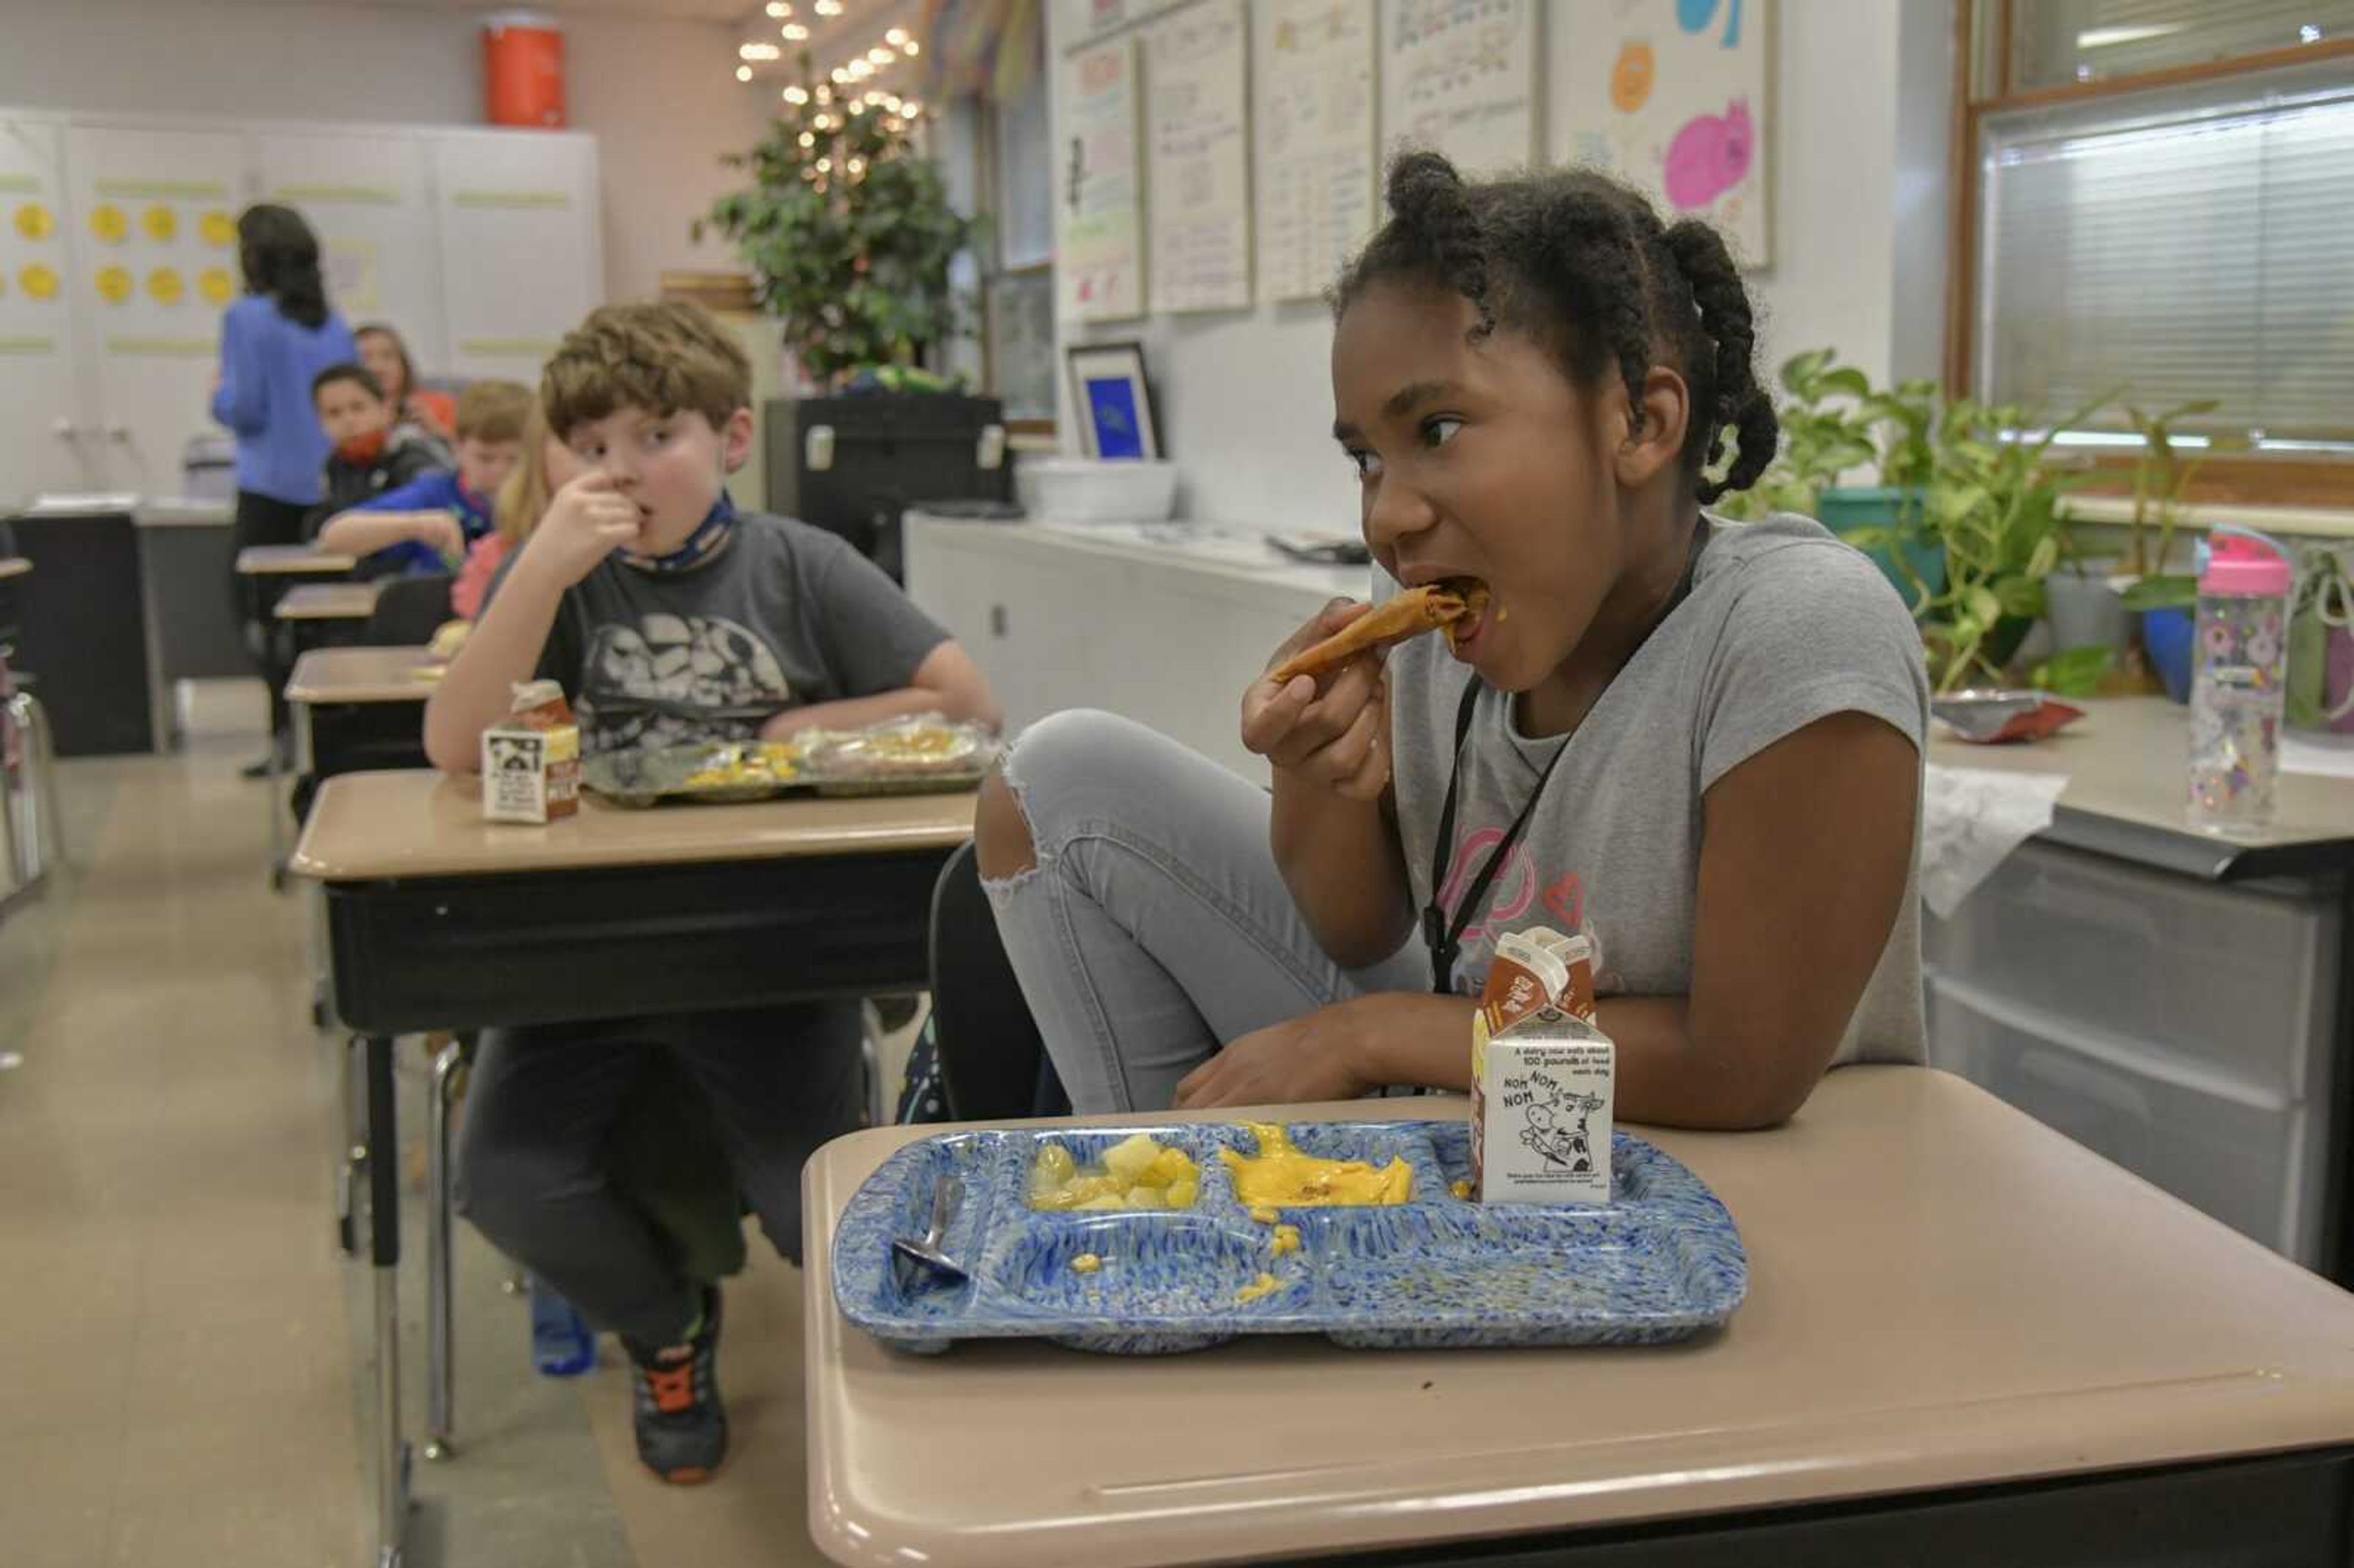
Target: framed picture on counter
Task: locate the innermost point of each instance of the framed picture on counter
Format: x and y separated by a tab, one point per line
1112	401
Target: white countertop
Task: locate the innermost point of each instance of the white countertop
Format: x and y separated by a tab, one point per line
184	512
1221	551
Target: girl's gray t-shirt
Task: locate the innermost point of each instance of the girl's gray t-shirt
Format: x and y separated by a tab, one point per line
1783	625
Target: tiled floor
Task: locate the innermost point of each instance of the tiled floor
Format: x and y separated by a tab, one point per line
182	1346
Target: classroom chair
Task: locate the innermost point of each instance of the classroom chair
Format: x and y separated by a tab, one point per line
408	611
32	824
993	1065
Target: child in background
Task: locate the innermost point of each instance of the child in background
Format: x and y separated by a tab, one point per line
546	466
368	456
669	617
425	524
430	413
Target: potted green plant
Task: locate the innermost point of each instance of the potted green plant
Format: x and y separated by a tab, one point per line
850	235
1994	504
2163	600
1833	423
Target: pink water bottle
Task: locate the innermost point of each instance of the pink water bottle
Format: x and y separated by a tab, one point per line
2239	681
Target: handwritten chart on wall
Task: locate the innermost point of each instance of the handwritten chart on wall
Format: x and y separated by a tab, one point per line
1197	143
1460	76
1312	113
1671	96
1100	262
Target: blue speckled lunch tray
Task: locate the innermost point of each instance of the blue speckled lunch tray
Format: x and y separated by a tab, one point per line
1661	1261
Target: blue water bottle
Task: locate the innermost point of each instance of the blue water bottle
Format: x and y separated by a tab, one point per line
561	1343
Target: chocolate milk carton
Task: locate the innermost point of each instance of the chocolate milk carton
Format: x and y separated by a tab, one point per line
1541	1076
531	763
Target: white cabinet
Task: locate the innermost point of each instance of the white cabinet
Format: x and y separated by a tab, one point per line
154	212
118	255
368	199
2180	1028
1139	622
48	438
518	223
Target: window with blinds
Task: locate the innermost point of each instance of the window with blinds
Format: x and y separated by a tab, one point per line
2055	42
2204	250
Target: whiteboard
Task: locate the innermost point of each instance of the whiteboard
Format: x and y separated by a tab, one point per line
154	215
518	222
1459	76
1673	97
40	371
369	200
1316	191
1100	258
1198	147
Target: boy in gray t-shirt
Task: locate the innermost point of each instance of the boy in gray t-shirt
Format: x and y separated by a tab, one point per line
669	617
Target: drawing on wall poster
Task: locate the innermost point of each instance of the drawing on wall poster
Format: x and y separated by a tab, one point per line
1672	96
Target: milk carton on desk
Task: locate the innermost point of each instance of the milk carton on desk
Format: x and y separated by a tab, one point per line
531	762
1543	1076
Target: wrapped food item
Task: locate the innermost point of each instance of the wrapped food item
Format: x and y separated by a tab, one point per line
1543	1076
748	763
919	746
531	763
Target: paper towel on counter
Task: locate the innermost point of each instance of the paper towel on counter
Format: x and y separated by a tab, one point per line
1971	818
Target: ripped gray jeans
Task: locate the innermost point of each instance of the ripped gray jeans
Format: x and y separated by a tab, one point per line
1156	927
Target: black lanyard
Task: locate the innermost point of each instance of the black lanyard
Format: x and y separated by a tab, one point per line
1445	940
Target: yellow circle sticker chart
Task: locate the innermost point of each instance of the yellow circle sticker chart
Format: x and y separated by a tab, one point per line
215	286
218	228
39	279
161	223
114	284
107	222
164	284
35	221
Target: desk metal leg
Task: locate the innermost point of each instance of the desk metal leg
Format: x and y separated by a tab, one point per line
276	790
441	1275
384	1245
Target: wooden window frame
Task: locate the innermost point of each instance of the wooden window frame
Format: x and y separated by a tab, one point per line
991	187
2222	476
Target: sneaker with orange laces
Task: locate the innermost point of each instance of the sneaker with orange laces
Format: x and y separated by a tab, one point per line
681	1428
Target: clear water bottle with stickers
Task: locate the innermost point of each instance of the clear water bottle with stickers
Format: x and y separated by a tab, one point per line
2239	681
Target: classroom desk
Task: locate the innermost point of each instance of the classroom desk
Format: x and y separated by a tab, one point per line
1967	1341
437	919
329	602
187	550
360	708
308	615
84	637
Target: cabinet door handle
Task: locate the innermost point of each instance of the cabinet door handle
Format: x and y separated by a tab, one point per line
997	621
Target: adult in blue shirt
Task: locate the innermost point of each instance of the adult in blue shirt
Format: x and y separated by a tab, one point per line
274	342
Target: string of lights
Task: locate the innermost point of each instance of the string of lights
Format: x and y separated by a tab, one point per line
855	81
